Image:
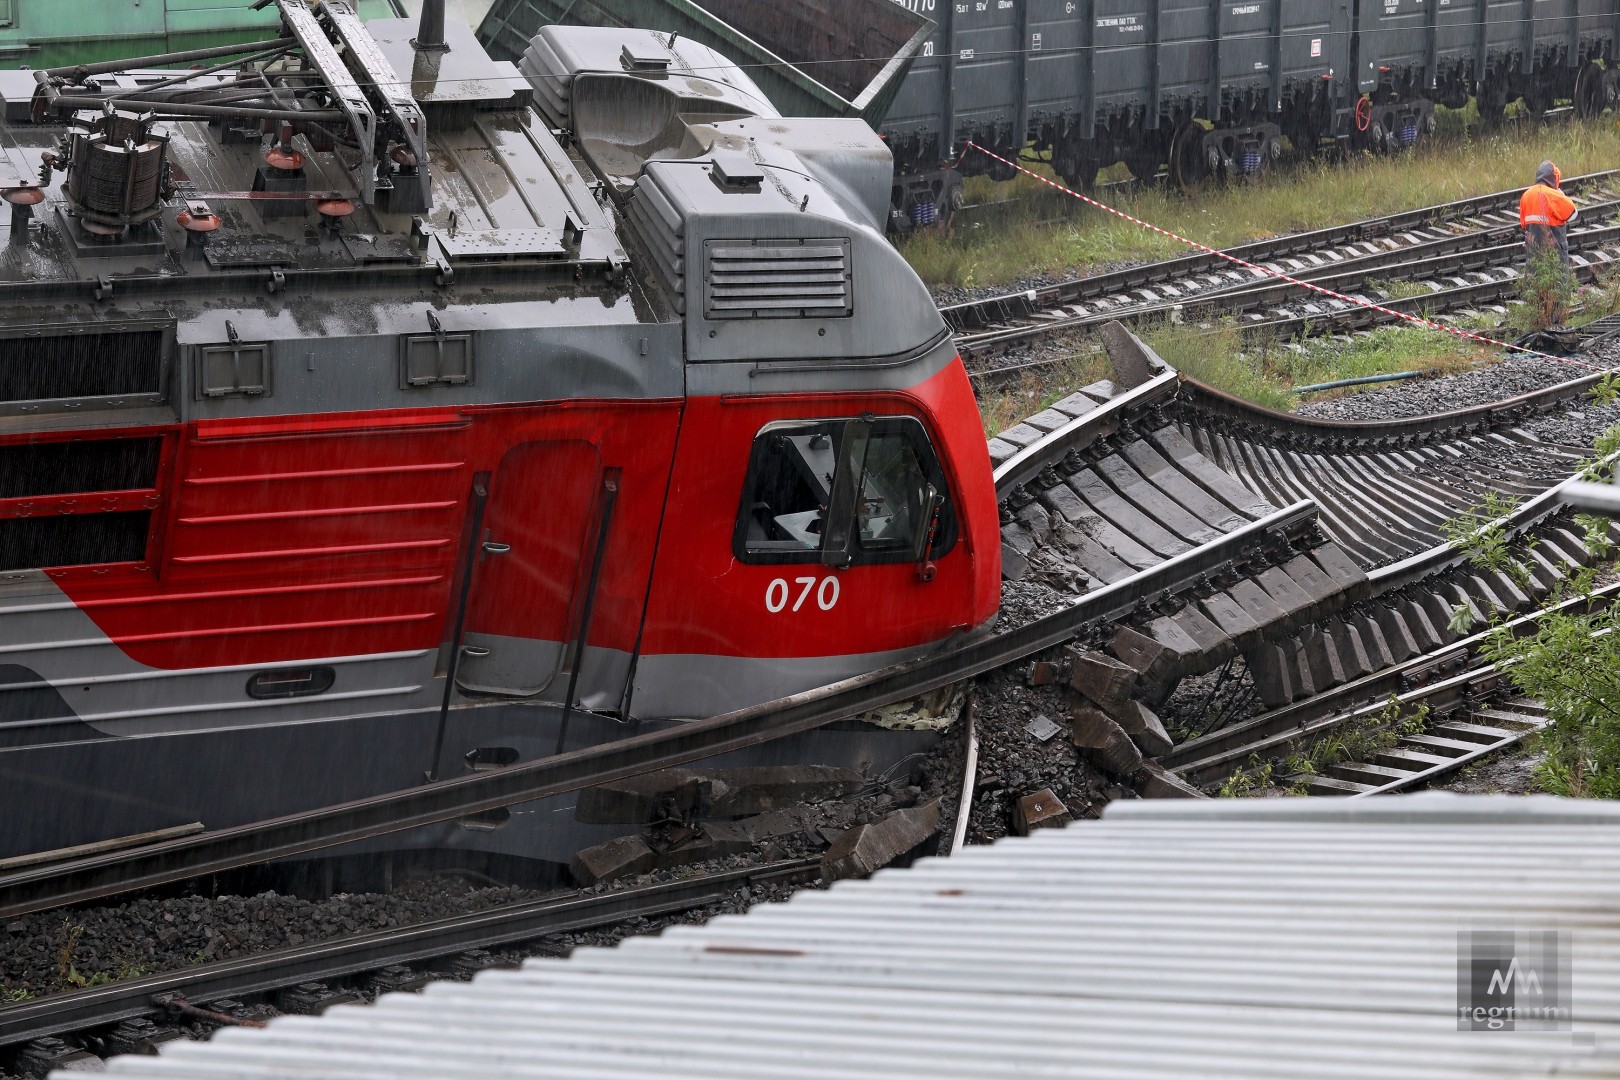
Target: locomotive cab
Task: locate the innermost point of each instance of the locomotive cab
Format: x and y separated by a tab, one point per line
831	490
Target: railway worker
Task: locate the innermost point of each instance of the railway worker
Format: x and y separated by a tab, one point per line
1545	213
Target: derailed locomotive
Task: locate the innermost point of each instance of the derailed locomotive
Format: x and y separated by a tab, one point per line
361	423
1208	88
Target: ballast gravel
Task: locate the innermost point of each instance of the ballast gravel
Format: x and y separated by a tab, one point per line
55	951
1013	760
1423	396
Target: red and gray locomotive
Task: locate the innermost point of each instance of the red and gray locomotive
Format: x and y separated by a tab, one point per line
369	407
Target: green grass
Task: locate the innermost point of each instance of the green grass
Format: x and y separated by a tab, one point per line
1266	372
1001	409
1050	232
1259	371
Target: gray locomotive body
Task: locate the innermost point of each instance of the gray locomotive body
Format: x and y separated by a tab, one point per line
368	414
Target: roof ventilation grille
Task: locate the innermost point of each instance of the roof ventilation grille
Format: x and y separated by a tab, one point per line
777	279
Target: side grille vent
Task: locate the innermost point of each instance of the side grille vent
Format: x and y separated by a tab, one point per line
663	233
777	279
553	82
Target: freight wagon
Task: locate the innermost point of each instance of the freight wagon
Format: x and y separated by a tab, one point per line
1202	88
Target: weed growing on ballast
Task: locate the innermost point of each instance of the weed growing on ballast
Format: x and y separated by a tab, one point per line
1547	290
1254	776
1569	659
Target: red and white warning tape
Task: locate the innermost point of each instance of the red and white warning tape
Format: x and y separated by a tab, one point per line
1206	249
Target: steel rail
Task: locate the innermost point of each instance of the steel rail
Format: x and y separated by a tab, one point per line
1221	752
1458	254
1414	263
1202	398
95	877
343	957
1078	434
1426	305
980	313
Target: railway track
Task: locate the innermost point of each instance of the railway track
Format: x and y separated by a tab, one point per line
1470	714
1463	254
138	1015
1433	753
1384	492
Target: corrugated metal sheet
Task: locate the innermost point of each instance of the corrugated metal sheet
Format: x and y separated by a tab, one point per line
1289	939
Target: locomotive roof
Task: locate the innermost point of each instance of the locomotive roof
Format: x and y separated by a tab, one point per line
272	257
503	191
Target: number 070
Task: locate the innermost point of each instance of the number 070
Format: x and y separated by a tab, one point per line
779	592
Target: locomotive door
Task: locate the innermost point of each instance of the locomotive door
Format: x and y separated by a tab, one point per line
527	591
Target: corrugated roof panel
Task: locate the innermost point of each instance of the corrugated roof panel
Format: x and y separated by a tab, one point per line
1299	938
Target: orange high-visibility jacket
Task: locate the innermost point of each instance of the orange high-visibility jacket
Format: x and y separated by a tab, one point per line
1547	206
1544	211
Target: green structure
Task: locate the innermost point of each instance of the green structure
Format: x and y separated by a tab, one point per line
53	33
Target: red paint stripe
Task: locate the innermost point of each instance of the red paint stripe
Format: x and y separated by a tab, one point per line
321	474
337	511
314	552
392	423
272	628
273	590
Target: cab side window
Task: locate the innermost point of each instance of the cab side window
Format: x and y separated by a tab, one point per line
844	492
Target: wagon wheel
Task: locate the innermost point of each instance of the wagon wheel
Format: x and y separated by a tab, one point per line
1537	100
1000	171
1144	162
1081	174
1492	107
1188	168
1591	95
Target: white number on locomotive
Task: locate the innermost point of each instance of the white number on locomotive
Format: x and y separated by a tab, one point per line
778	593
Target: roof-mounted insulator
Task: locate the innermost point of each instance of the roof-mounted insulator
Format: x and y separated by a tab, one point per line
23	199
283	158
333	211
198	221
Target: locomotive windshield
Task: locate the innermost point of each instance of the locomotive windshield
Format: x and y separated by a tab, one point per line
845	492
